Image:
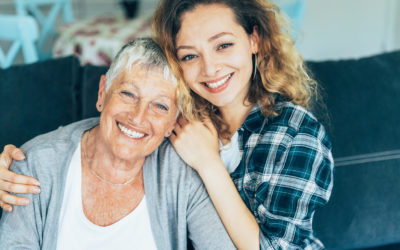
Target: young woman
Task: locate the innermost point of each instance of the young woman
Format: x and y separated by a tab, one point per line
243	82
263	157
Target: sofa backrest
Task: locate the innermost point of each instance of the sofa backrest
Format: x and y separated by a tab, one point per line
37	98
363	100
40	97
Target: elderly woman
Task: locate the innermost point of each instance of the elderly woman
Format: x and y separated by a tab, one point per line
114	182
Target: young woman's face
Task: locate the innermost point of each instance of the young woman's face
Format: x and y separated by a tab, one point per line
215	53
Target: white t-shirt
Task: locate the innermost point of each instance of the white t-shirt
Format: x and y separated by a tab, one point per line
230	153
77	232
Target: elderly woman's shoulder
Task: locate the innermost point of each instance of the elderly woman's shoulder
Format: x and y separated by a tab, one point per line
61	137
168	163
51	150
167	155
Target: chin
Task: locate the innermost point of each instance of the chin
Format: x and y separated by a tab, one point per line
221	102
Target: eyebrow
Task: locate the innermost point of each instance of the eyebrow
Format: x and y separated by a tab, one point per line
133	84
219	35
130	83
172	100
214	37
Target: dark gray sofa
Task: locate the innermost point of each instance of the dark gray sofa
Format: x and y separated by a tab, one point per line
362	117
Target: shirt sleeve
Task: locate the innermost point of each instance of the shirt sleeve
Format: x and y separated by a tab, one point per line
300	182
19	229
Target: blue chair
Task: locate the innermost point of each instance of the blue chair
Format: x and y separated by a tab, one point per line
23	32
33	7
294	9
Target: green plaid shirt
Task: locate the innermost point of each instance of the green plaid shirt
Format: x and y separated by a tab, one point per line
285	174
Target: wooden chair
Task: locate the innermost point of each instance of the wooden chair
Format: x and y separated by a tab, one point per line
46	21
23	32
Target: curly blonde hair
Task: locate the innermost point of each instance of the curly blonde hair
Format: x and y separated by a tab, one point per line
281	70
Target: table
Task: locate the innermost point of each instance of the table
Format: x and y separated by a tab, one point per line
97	41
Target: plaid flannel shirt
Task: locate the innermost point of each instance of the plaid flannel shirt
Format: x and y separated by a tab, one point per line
285	174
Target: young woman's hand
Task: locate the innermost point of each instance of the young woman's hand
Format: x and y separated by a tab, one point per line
196	143
12	182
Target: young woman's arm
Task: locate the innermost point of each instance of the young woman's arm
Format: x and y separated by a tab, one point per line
237	218
197	144
12	182
294	175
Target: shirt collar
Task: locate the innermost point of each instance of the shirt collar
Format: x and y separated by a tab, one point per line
254	121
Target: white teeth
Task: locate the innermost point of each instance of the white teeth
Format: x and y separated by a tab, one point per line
130	133
219	83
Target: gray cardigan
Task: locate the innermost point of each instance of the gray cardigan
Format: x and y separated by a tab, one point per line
178	204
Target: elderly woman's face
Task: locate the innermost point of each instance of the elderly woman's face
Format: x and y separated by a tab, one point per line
137	112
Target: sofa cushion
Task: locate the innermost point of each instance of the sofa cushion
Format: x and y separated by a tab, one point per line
363	99
364	210
37	98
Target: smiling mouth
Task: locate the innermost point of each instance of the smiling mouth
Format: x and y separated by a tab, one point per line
219	83
130	133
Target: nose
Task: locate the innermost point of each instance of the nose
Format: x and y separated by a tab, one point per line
210	65
138	114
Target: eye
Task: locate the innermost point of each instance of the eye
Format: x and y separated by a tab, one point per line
129	97
162	107
225	46
128	94
187	57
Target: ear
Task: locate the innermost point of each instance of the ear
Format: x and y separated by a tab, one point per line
254	40
102	93
169	130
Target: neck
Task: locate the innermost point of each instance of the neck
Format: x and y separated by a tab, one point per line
106	165
235	114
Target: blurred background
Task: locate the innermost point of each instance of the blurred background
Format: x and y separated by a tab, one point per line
95	29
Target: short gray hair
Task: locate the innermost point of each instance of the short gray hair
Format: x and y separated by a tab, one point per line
142	52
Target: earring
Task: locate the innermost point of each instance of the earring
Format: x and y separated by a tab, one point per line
255	66
99	105
169	133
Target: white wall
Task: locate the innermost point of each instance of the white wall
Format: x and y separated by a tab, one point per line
332	29
349	28
337	29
